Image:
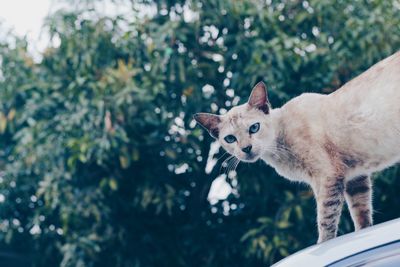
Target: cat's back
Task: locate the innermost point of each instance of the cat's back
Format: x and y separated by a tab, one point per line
379	84
369	103
307	106
364	115
378	88
373	96
361	119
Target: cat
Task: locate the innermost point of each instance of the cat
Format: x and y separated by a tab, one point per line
332	142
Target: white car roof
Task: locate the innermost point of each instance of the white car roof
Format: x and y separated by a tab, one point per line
344	246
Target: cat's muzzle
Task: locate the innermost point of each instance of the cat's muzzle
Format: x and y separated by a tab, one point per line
250	157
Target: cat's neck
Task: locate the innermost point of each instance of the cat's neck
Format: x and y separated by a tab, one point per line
278	126
288	149
279	152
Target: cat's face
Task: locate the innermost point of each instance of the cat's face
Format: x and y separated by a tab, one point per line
245	130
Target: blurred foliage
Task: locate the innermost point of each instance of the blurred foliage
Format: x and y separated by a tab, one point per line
101	163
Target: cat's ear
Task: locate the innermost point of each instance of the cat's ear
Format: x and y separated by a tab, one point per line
259	99
210	122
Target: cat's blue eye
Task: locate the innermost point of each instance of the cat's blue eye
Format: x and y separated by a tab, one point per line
230	138
254	128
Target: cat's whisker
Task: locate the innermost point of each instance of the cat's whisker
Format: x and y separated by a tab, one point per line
221	156
282	152
225	164
279	156
228	169
232	166
275	152
237	163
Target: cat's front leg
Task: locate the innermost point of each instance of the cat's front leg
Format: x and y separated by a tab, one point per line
358	196
330	198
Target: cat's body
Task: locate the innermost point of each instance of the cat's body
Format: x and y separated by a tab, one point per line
361	121
332	142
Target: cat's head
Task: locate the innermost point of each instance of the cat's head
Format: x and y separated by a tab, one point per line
244	131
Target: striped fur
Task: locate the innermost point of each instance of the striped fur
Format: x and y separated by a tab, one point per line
358	195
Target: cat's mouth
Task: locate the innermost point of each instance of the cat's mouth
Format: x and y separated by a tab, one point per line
251	157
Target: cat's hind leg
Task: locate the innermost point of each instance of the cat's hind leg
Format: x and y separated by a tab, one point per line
358	194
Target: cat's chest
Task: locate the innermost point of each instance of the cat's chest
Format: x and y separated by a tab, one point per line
289	167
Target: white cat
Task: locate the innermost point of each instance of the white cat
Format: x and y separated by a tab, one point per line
332	142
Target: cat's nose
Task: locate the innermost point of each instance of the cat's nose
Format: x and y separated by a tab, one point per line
247	149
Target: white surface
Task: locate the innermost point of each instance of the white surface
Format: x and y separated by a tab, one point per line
343	246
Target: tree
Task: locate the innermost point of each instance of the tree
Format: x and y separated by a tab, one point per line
103	164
